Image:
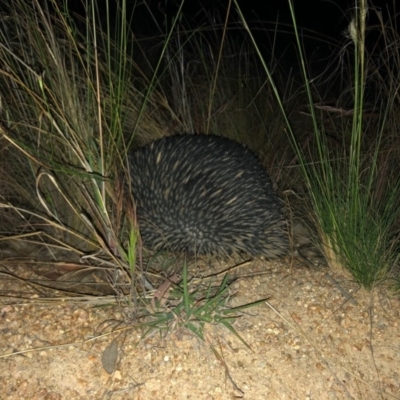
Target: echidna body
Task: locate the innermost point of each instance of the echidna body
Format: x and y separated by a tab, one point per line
206	194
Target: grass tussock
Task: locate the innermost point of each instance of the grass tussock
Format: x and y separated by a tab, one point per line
62	135
355	196
351	180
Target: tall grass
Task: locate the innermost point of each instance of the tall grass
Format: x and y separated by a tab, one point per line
64	103
356	207
353	185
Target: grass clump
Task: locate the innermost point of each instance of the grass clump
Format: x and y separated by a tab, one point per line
351	181
62	134
194	309
356	207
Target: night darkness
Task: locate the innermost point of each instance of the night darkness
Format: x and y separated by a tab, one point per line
323	23
321	16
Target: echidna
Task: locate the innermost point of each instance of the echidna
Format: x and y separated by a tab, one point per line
206	194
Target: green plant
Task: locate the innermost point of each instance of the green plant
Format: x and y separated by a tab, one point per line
355	211
194	309
354	204
64	93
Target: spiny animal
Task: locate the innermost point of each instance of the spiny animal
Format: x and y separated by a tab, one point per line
206	194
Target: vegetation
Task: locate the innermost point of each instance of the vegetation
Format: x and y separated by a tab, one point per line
73	103
354	190
351	181
77	93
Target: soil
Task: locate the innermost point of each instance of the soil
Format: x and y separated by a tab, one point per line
318	336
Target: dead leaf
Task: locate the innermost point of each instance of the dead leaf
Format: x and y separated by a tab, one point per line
109	357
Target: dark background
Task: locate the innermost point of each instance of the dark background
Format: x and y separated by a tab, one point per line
327	17
322	25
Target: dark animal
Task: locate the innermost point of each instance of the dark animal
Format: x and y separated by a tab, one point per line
206	194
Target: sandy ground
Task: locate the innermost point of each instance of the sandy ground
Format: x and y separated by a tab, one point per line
308	342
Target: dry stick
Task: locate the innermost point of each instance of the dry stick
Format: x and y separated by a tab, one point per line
55	346
343	291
